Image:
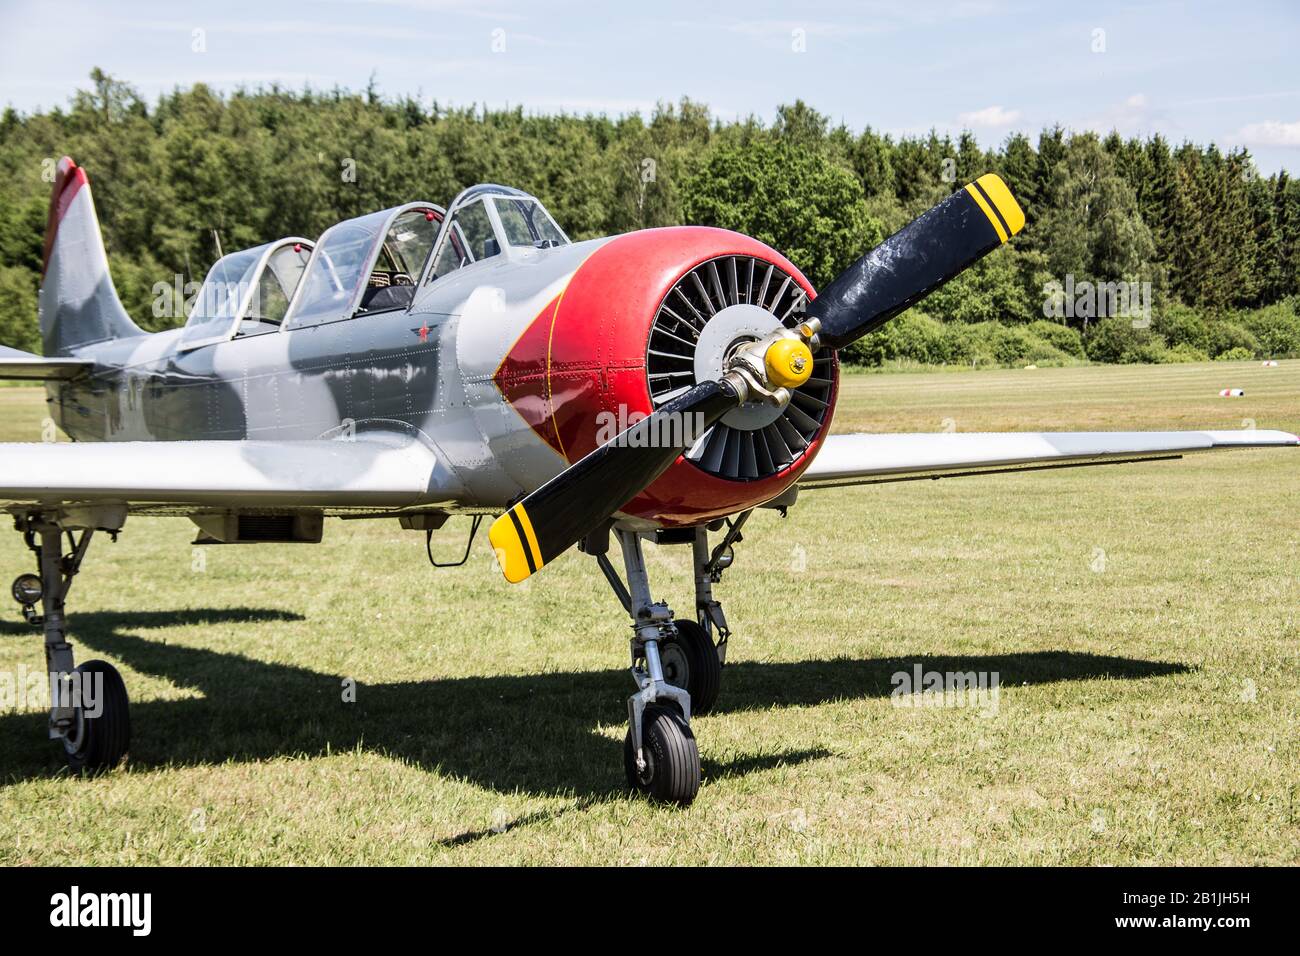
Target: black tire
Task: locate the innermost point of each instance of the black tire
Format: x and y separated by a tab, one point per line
99	743
672	773
699	658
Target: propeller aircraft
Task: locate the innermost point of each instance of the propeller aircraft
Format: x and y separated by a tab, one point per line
422	362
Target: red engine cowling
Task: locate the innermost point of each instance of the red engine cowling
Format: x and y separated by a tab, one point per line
617	340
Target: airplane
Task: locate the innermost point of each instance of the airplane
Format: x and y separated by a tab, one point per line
421	362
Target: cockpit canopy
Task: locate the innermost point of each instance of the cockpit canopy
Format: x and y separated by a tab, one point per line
367	264
487	221
375	262
370	264
247	291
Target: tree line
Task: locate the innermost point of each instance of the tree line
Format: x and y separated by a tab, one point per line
1135	249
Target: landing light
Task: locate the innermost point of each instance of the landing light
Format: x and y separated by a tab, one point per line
27	589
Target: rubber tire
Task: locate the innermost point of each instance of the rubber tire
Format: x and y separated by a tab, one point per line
104	739
672	759
705	676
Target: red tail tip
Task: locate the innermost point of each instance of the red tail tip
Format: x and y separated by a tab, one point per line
68	178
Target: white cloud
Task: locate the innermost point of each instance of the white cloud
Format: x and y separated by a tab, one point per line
1135	115
1270	133
989	117
1241	98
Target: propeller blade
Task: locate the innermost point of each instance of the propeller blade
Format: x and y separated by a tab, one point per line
571	505
916	260
907	266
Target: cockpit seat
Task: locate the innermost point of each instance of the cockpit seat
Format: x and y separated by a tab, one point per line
389	297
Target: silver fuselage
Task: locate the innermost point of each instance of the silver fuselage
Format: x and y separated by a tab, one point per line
427	370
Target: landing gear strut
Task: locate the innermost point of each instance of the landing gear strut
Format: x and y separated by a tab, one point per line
675	664
660	755
89	710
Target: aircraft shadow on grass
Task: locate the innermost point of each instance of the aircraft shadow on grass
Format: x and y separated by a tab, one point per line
511	733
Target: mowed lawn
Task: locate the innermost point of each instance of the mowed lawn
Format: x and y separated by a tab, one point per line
1142	620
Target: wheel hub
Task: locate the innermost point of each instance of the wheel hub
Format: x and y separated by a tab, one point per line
677	669
76	734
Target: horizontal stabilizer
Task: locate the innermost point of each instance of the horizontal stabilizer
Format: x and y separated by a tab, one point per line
17	364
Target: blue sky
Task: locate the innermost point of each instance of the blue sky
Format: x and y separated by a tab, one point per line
1205	71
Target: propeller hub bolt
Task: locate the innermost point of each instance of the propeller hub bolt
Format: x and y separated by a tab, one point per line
789	363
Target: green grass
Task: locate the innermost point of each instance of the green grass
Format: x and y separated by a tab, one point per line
489	719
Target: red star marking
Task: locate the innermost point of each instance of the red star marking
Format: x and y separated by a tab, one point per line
424	332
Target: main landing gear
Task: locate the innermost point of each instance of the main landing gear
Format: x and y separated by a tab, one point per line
676	665
89	710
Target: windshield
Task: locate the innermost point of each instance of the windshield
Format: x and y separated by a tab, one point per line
338	269
410	240
276	286
526	223
470	238
224	288
366	265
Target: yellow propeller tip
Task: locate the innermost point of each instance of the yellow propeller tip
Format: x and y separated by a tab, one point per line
994	198
514	544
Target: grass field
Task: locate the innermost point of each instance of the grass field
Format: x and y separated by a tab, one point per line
1142	620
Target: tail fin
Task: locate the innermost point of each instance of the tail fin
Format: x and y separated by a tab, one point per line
78	303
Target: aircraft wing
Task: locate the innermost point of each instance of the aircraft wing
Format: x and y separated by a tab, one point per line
871	459
17	364
379	471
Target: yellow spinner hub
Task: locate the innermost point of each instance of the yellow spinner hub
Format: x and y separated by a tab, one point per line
789	363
